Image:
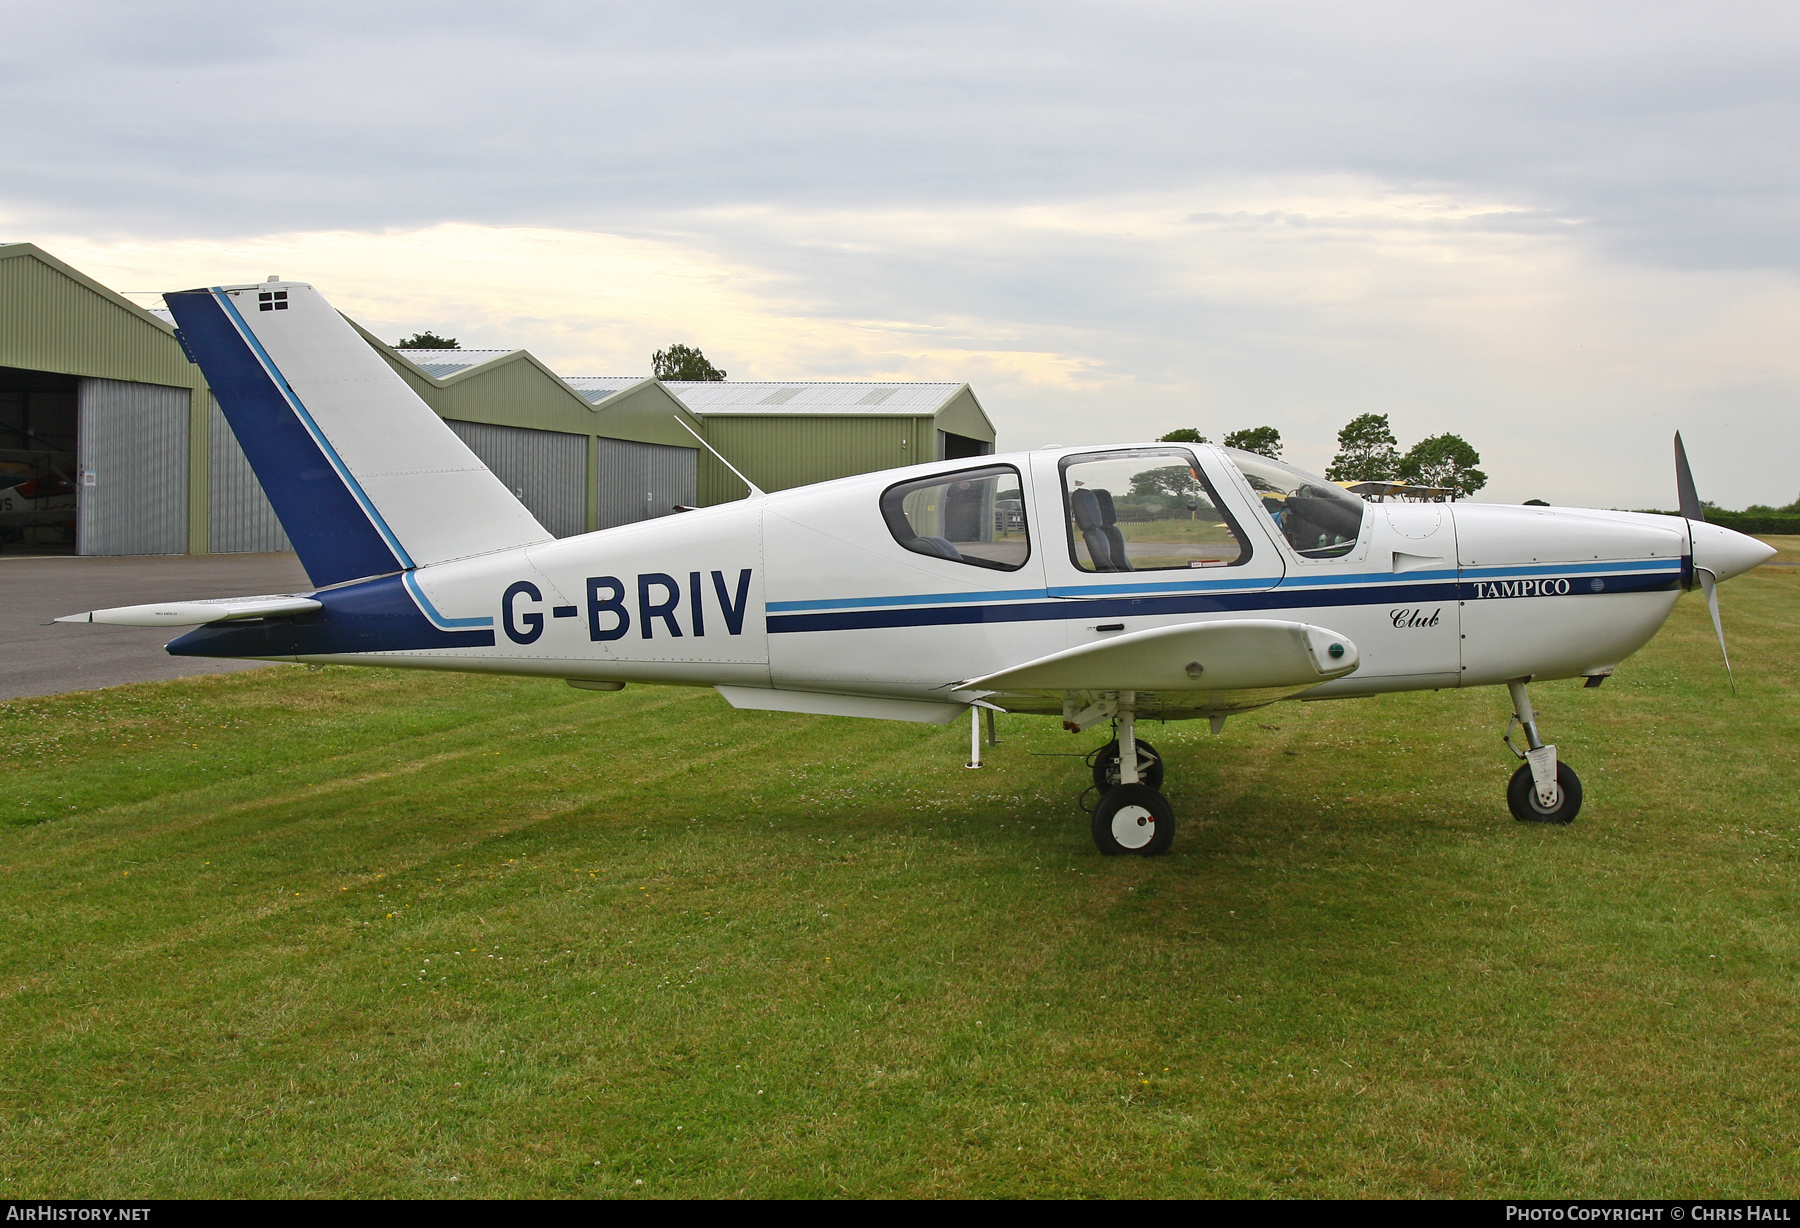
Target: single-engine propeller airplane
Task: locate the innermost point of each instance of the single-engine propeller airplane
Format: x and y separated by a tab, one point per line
1163	581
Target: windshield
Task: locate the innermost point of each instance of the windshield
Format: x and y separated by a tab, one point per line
1320	519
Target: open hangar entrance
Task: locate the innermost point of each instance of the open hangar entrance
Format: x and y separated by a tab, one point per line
98	410
91	466
38	424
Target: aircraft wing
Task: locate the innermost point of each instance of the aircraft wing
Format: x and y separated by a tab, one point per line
1241	654
194	613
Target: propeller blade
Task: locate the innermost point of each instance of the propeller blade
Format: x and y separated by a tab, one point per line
1709	583
1711	587
1684	484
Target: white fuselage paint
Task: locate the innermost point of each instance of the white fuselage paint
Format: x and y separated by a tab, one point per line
805	590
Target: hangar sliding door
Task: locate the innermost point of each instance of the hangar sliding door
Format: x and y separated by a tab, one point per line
132	452
241	519
547	470
640	481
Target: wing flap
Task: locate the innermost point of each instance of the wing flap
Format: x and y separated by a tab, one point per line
195	613
1240	654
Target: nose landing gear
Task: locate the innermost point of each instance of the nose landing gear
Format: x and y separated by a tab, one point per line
1541	790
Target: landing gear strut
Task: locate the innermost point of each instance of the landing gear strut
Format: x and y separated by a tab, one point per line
1132	817
1542	790
1106	766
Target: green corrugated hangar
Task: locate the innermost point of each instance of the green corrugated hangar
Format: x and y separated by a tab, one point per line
110	442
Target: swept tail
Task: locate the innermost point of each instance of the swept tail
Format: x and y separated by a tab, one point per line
364	477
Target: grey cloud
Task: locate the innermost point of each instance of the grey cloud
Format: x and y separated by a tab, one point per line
1670	128
1655	136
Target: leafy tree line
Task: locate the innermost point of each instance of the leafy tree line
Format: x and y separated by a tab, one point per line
426	340
684	362
1368	452
678	362
1262	440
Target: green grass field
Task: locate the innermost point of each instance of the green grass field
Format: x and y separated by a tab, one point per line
368	933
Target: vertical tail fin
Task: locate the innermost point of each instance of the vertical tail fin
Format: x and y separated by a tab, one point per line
363	476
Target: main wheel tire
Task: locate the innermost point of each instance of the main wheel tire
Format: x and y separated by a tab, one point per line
1133	819
1106	766
1522	798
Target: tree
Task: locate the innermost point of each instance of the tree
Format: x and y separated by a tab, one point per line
684	362
1262	440
1173	482
1443	460
427	340
1536	503
1367	451
1186	434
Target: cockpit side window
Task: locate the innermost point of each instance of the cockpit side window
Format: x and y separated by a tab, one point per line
976	517
1146	509
1319	519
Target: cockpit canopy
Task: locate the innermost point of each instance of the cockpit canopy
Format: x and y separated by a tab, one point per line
1320	519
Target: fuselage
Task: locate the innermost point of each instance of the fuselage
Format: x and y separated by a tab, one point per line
813	590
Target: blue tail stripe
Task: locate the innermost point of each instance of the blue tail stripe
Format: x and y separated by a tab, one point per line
326	521
431	611
337	462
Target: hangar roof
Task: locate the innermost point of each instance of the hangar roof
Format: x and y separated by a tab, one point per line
596	388
887	399
439	363
803	397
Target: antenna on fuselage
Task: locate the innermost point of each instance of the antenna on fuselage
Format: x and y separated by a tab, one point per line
754	488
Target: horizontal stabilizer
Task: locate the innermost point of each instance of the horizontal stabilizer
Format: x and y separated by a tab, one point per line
1240	654
195	613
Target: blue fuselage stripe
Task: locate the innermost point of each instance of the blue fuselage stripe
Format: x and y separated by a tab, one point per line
1233	585
1188	603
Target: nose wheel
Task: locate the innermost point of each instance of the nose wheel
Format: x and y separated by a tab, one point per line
1527	807
1542	790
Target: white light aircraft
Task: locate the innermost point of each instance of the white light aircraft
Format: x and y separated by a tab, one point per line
1096	584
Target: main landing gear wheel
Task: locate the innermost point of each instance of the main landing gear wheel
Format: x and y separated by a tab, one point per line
1133	819
1106	766
1522	798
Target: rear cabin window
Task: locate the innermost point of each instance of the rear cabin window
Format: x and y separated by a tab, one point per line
1146	510
975	517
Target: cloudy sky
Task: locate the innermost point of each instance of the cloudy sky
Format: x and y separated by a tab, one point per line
1562	231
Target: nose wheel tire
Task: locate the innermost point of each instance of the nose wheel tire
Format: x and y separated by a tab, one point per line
1522	797
1106	766
1133	819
